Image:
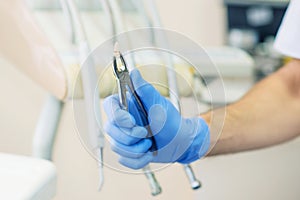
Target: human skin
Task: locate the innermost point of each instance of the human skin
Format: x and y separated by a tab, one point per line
267	115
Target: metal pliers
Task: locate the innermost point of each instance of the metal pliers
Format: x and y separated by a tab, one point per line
125	84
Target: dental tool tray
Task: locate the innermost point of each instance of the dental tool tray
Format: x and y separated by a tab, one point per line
26	178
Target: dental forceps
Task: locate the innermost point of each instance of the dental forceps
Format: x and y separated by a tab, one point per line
124	82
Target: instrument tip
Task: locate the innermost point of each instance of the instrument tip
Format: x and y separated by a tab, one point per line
116	49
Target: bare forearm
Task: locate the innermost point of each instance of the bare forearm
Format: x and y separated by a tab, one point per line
269	114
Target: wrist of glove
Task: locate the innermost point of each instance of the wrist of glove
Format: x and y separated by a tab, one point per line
178	139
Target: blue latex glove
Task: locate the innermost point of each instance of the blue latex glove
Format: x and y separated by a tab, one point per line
178	139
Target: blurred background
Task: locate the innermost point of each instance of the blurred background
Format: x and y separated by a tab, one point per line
247	29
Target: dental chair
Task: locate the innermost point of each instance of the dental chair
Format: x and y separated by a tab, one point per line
26	178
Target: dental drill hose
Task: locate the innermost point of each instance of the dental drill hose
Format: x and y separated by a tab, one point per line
91	92
195	184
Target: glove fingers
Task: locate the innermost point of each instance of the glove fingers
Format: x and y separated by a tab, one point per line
124	135
137	163
136	150
115	114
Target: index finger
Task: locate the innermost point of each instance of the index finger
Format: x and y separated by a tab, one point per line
115	114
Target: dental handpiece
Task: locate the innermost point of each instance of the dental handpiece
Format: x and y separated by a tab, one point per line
195	184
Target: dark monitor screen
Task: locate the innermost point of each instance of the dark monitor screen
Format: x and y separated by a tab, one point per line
237	12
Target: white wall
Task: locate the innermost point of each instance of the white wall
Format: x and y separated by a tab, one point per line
201	20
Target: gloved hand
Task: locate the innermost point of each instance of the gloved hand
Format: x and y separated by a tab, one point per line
178	139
